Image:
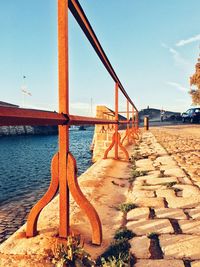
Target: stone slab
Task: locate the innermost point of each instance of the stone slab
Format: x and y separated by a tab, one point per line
140	247
159	263
170	213
142	193
190	226
180	246
145	227
138	214
174	172
194	213
184	203
188	190
195	264
156	202
161	181
166	160
143	162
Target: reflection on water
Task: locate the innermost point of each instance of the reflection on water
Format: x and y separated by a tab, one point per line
25	162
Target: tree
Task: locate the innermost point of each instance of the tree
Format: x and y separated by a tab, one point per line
195	80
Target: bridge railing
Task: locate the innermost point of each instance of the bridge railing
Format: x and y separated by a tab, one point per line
63	166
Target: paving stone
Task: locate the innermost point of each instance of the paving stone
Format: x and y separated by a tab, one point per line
157	202
140	247
170	213
148	187
159	263
177	172
142	193
190	226
184	203
180	246
138	214
166	160
160	181
188	190
194	213
195	264
145	227
167	193
143	162
146	168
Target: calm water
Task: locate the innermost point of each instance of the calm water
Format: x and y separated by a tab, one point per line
25	162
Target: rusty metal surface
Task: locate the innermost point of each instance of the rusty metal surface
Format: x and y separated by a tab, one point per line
20	116
63	137
82	201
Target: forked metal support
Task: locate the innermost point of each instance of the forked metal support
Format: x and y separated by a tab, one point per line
132	135
77	194
116	142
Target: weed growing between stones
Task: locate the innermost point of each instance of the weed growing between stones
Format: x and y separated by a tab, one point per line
71	254
124	233
118	253
126	207
136	174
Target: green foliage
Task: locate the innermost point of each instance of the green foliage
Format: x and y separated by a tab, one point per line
117	252
71	253
123	233
113	262
126	207
136	174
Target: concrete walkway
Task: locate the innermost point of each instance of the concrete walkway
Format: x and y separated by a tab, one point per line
165	220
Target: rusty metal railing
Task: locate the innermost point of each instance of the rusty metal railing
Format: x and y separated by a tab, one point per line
63	166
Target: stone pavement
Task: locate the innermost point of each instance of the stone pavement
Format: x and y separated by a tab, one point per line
166	221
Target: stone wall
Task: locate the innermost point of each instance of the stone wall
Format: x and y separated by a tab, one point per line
103	133
27	130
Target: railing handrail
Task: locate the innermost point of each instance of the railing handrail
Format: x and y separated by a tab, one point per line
85	25
10	116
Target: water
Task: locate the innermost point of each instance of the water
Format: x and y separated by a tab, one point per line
25	162
25	173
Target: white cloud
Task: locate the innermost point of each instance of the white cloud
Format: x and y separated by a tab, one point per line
189	40
178	86
179	61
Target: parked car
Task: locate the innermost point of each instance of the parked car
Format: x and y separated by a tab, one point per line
191	115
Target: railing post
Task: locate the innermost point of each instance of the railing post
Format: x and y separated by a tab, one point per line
117	119
133	118
137	120
63	108
128	120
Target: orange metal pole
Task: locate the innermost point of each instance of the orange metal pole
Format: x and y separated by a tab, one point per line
128	120
63	108
116	118
137	120
132	117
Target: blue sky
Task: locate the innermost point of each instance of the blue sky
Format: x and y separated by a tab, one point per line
152	45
